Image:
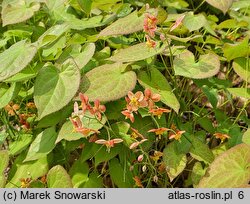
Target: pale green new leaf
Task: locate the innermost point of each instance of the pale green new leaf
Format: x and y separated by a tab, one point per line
9	94
16	58
242	68
58	178
42	145
246	137
16	11
240	92
61	86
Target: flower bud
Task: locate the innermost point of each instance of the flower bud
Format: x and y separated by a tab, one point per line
144	168
140	158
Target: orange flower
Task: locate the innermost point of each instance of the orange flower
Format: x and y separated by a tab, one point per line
129	115
159	131
177	23
151	98
150	24
221	136
156	156
150	43
25	182
177	135
109	143
138	182
159	111
98	109
85	102
136	144
135	101
77	123
135	134
11	108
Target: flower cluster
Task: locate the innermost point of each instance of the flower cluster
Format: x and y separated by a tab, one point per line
150	26
97	110
140	100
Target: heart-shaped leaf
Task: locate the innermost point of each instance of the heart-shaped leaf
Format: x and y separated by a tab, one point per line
16	58
137	52
174	160
108	82
234	163
222	5
42	145
194	22
16	11
60	87
129	24
239	49
58	178
158	84
4	161
242	68
207	66
200	151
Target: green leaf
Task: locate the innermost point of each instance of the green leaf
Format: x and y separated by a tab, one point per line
16	58
85	5
194	22
242	68
94	181
197	173
222	5
79	173
175	161
31	169
4	162
9	94
43	144
200	151
120	178
108	82
207	66
240	92
158	84
239	49
85	56
16	11
20	144
234	163
58	178
246	137
137	52
61	86
102	155
52	34
123	26
67	130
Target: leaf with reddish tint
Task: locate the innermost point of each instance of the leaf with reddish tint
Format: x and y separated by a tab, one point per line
222	5
230	169
108	82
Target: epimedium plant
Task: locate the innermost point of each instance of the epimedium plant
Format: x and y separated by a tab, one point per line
126	93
